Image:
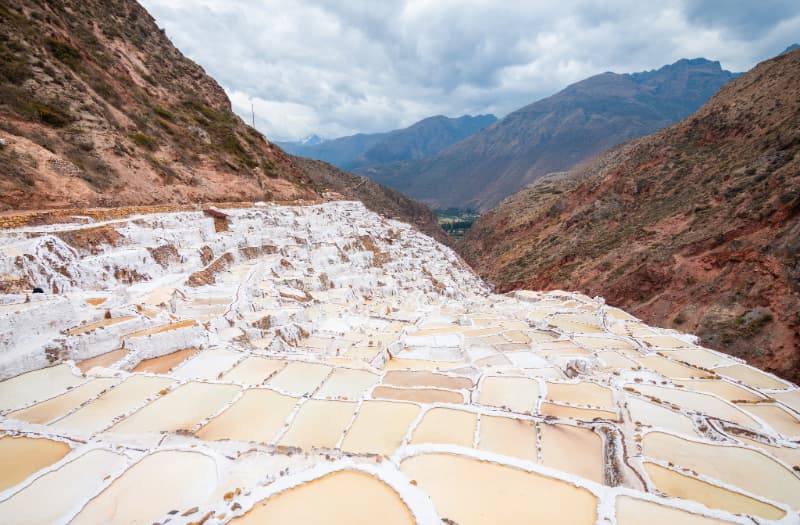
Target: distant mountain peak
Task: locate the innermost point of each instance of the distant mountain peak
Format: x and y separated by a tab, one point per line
683	63
311	140
791	48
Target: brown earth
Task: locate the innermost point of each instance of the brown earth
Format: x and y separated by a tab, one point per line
694	227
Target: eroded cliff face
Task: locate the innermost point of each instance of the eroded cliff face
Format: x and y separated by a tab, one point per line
98	108
310	364
694	227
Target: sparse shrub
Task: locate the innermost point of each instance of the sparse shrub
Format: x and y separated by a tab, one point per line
232	145
94	170
270	170
18	166
788	197
106	91
145	141
64	52
744	327
163	124
13	65
49	113
40	137
50	71
111	32
166	171
119	149
163	113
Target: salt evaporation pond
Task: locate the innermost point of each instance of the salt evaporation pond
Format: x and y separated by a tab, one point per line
322	364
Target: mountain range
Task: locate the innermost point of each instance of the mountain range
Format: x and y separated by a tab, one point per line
695	227
422	139
554	134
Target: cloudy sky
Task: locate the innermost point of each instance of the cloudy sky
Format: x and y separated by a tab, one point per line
338	67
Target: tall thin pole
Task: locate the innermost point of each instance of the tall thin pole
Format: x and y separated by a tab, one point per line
253	113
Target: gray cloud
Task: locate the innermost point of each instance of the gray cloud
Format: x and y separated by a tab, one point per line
741	18
336	67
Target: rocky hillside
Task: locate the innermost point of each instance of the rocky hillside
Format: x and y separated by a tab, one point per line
97	107
422	139
375	197
694	227
555	134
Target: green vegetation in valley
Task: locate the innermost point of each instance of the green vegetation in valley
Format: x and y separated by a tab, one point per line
456	221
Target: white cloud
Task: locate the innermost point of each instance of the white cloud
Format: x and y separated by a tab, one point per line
337	67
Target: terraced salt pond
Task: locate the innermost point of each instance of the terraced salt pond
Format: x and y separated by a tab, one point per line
257	416
379	427
518	394
180	409
470	491
681	486
134	392
54	408
63	489
23	456
345	497
152	487
165	363
447	426
302	383
765	477
319	423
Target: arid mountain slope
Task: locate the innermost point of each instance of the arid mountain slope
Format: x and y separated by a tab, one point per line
555	134
375	197
97	107
419	140
694	227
